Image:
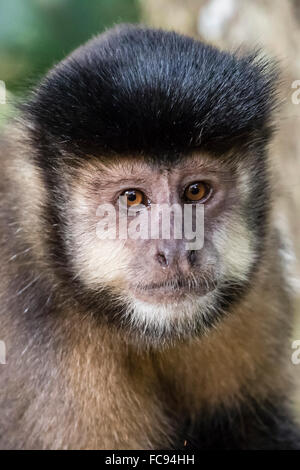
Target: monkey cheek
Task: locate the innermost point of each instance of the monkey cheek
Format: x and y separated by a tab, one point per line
234	245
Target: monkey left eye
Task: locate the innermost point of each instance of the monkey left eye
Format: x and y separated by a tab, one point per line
134	197
197	192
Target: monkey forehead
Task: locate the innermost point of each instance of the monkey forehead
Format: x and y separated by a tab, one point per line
101	171
135	89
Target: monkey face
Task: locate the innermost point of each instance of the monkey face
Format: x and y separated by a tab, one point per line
157	119
162	285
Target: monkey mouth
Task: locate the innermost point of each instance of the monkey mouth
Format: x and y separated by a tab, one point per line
174	290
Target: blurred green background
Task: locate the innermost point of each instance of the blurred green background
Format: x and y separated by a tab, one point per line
35	34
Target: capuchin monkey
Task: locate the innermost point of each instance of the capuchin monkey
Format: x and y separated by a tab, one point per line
138	342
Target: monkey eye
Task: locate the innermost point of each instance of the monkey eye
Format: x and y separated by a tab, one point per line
134	197
198	191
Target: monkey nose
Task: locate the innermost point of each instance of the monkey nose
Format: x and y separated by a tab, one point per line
174	257
163	259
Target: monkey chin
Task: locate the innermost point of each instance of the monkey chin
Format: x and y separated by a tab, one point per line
166	295
161	317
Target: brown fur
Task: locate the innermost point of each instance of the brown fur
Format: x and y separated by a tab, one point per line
70	383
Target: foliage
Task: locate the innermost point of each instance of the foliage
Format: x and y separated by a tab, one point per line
35	34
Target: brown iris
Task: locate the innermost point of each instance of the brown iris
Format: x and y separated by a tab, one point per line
196	191
134	197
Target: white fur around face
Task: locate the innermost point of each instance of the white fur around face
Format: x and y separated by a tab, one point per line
95	260
179	317
234	243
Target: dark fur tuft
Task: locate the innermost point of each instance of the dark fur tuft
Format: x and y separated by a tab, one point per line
137	90
249	426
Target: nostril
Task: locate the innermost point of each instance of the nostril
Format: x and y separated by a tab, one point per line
161	258
192	257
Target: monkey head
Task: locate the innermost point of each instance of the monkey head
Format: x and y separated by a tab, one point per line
138	119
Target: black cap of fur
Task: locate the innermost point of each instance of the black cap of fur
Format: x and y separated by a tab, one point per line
138	90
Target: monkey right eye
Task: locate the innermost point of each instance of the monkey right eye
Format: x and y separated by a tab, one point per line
134	197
